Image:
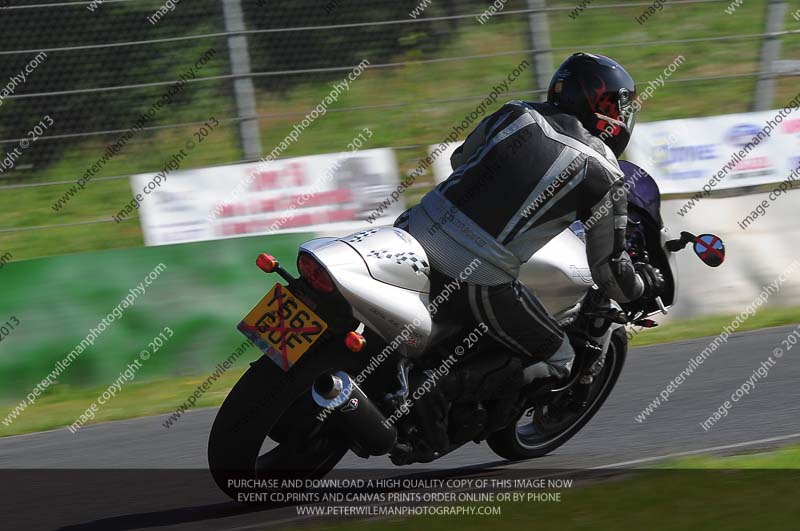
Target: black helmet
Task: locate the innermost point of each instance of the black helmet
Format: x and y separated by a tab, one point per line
600	93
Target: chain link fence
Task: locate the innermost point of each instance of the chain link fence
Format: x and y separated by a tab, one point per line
125	82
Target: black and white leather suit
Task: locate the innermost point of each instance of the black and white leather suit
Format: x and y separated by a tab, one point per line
522	176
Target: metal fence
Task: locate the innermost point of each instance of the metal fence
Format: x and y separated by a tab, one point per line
125	81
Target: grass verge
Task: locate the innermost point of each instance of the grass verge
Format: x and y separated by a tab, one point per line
781	459
712	326
738	493
61	405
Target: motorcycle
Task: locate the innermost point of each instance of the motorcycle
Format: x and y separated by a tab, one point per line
356	357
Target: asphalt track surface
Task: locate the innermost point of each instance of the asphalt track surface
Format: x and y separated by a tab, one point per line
769	416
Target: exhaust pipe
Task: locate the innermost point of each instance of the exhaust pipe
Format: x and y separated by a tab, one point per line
365	424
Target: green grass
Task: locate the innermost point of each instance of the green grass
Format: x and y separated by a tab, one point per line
203	292
201	295
62	405
665	501
418	121
712	326
740	493
782	459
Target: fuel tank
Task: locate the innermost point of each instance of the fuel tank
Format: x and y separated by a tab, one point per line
559	273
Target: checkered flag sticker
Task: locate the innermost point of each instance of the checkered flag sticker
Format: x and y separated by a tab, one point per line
417	263
361	236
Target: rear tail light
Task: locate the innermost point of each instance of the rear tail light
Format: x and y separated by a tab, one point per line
313	272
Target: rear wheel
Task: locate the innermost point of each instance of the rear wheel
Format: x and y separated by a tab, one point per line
266	402
544	428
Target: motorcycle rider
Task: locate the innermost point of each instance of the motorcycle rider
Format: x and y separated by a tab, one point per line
522	176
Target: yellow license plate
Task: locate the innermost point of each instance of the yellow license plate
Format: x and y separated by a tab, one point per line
282	326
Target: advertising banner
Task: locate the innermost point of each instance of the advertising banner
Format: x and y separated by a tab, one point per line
727	151
732	150
325	192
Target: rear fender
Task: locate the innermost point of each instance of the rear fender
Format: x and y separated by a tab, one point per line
399	316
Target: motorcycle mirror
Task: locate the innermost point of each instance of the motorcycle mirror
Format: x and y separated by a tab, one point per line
710	249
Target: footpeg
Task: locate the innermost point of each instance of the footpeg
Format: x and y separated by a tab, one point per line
597	358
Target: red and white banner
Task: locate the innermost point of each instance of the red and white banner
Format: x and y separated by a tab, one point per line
314	193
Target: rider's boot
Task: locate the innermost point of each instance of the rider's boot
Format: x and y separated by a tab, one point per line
556	367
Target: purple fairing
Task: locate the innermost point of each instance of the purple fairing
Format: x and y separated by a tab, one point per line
642	189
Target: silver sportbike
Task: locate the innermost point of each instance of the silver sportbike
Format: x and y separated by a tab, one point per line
358	357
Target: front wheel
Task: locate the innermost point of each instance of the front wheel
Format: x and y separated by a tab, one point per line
544	428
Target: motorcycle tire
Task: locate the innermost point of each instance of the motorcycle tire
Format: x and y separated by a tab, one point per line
518	443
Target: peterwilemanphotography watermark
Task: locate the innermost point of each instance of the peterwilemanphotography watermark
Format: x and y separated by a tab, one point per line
207	383
15	81
9	161
764	134
652	9
126	376
458	129
694	364
420	8
760	210
114	148
495	7
337	90
173	164
405	333
749	385
168	7
94	333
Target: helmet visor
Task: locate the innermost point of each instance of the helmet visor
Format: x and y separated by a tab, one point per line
628	106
